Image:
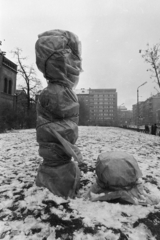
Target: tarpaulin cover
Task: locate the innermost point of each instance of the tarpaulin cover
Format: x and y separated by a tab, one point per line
116	170
118	177
58	58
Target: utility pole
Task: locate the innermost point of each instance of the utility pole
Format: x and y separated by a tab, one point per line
138	105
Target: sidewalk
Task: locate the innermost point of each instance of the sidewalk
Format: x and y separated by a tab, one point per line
31	213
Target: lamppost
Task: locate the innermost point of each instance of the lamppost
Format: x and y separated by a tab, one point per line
138	105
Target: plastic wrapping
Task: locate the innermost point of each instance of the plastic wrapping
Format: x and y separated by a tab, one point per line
117	170
58	58
118	178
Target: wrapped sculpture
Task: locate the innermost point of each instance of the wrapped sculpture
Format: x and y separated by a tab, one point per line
118	179
58	58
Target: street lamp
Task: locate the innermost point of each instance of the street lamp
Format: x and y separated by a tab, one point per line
138	105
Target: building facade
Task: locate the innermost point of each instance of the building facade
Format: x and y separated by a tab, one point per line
152	105
124	116
148	111
158	116
102	105
8	74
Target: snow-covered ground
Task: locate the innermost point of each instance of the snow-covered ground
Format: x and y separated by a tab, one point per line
31	213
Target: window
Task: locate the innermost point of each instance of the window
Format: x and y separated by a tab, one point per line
10	87
5	85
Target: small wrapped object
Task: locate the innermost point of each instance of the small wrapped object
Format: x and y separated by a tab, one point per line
118	178
58	58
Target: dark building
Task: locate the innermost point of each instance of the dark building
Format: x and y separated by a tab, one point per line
124	116
8	73
158	116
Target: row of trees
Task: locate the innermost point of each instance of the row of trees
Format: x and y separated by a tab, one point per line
18	118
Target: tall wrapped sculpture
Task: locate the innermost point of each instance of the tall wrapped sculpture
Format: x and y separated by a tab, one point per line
58	58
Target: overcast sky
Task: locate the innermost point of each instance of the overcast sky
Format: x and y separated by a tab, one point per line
111	33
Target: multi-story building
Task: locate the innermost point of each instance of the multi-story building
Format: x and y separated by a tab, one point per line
158	116
152	104
83	95
8	73
141	111
102	105
148	110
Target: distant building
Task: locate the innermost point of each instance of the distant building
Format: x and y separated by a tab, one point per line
20	99
141	113
124	116
148	111
102	105
158	116
8	73
152	104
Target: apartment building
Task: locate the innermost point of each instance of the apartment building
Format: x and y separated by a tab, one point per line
148	110
102	105
152	104
158	116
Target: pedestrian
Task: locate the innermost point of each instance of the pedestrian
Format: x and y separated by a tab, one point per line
155	129
146	129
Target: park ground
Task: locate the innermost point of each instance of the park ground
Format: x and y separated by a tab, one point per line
31	213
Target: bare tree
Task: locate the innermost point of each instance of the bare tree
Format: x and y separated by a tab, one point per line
31	83
152	56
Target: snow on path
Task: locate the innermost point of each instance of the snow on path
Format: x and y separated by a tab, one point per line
31	213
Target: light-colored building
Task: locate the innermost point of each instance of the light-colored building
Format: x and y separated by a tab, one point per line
8	73
102	105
